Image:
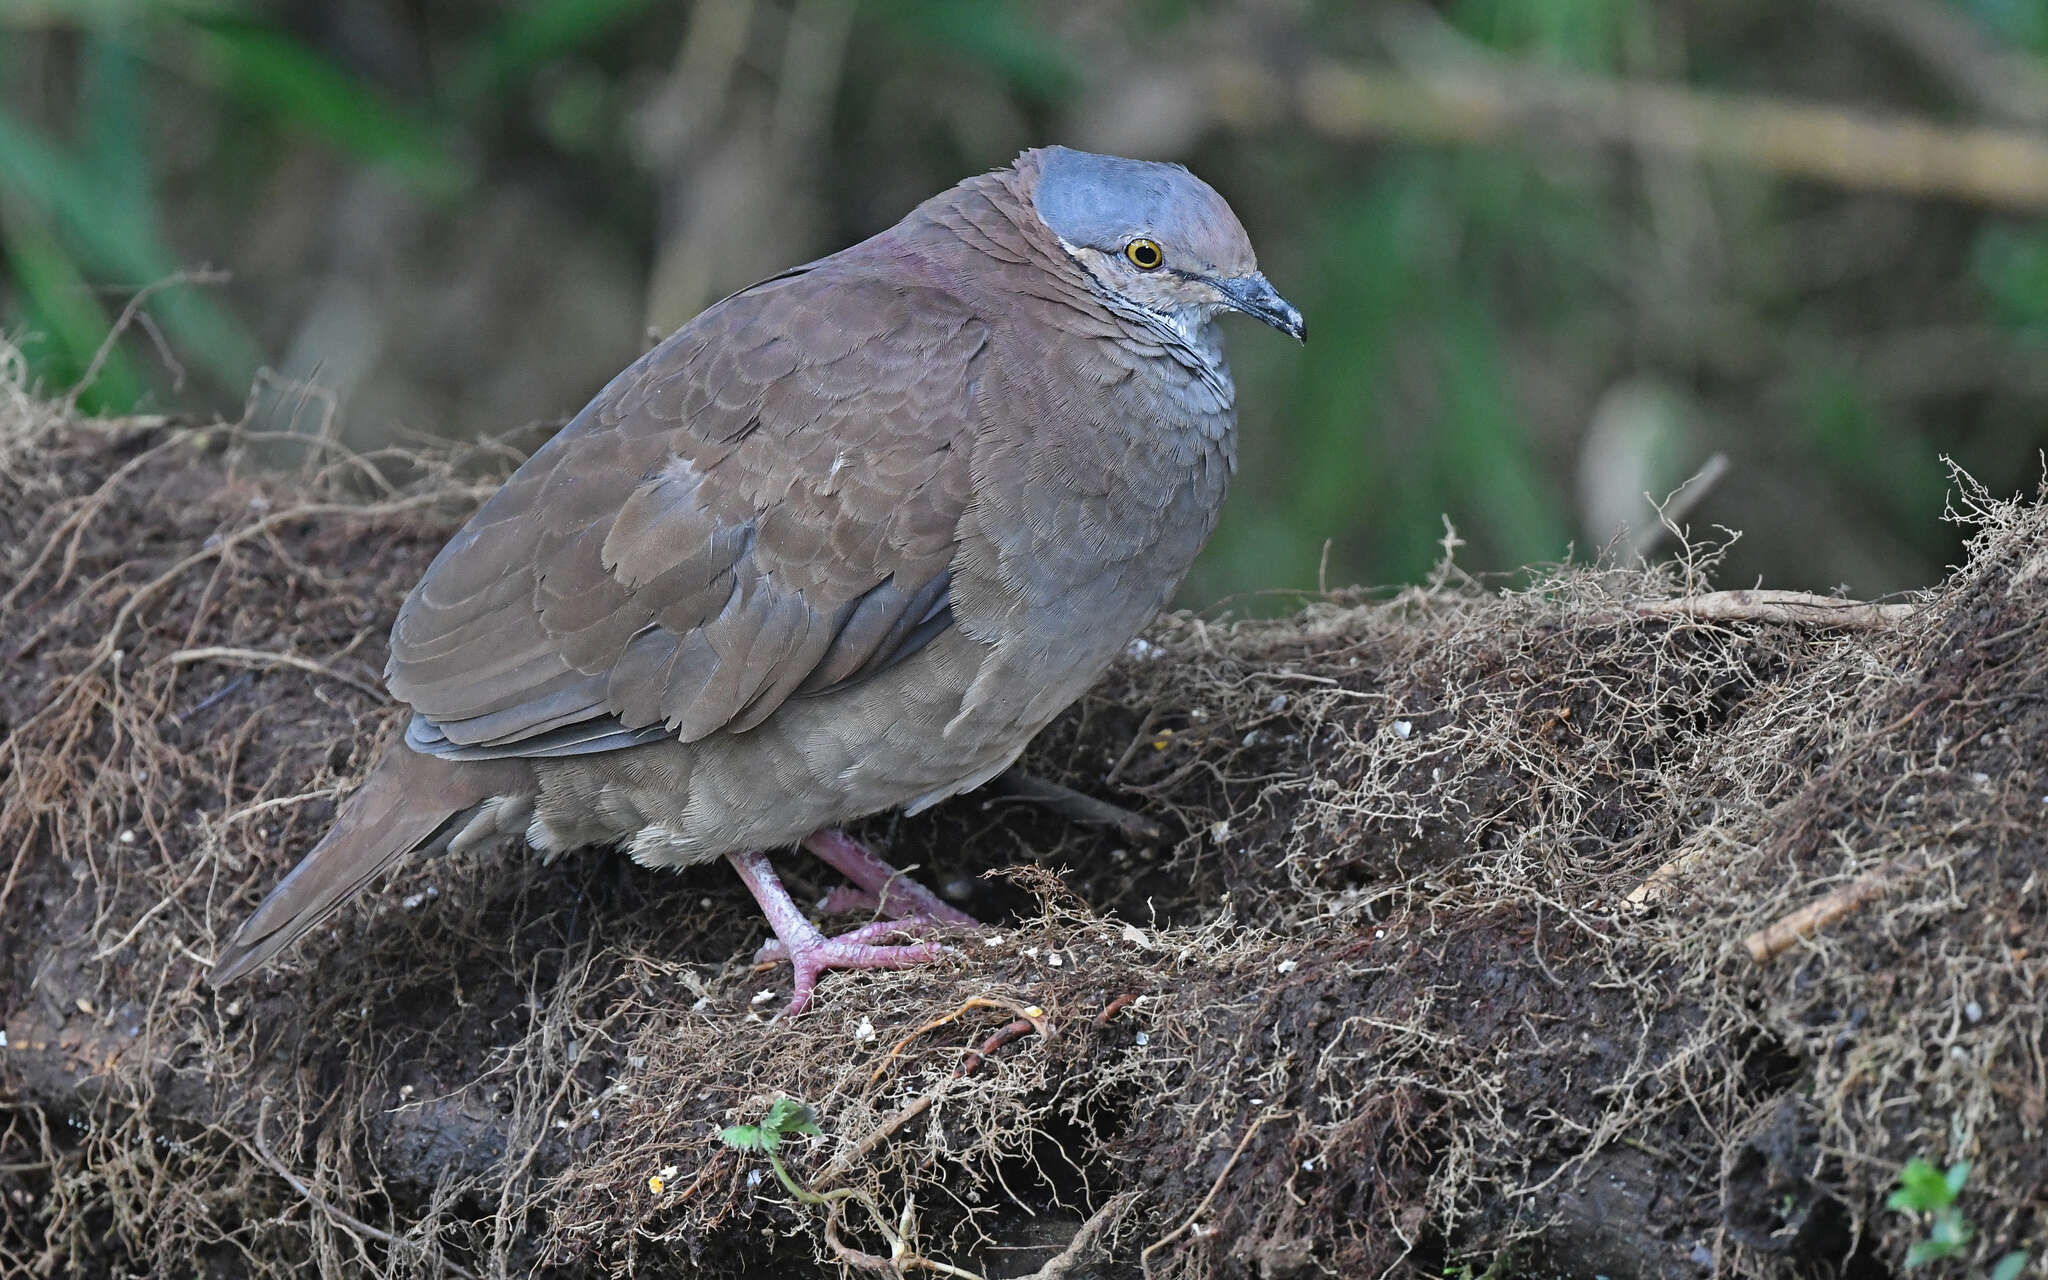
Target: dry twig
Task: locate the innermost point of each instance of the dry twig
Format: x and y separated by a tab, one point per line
1794	608
1810	919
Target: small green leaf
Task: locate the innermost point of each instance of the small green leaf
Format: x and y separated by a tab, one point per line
743	1137
789	1116
1951	1230
1922	1188
1958	1174
2010	1266
1926	1251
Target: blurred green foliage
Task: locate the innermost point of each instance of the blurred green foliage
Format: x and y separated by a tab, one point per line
1472	306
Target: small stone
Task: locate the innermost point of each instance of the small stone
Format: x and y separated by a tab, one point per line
1287	966
1974	1011
126	837
864	1031
1142	1039
1403	728
763	997
1278	704
1054	959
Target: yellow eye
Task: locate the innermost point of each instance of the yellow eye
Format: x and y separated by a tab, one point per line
1145	255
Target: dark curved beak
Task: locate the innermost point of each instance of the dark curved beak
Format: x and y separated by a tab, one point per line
1255	296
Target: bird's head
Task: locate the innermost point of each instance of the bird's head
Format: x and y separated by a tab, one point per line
1157	239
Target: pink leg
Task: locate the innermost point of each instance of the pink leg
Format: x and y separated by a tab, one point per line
811	952
892	889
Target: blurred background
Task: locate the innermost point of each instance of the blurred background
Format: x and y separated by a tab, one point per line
1556	254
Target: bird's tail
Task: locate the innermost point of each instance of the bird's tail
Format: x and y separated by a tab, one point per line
404	802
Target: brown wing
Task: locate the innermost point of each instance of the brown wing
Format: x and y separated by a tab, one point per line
763	506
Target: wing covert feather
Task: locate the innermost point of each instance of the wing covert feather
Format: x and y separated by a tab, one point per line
764	506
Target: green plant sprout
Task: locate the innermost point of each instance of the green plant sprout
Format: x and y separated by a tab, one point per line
1926	1189
787	1117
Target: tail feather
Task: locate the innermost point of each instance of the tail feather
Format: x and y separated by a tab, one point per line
406	799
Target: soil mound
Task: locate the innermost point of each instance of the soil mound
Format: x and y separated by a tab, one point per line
1594	922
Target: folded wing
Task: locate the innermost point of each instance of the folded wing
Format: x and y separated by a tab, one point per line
763	507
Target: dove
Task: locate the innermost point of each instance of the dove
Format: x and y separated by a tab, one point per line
842	544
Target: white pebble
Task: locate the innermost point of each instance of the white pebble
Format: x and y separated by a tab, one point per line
864	1032
413	901
1142	1039
1974	1011
763	997
1054	959
1287	966
126	837
1403	728
1278	704
1220	830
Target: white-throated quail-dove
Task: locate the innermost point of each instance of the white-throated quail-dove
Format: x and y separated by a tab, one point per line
841	544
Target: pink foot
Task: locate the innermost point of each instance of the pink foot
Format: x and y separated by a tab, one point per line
895	893
845	900
811	953
774	951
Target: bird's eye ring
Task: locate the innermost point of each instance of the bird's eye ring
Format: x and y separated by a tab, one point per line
1145	255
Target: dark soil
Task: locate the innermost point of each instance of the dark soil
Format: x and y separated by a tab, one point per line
1381	1000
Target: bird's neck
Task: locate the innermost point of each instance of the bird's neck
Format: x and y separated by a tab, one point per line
985	235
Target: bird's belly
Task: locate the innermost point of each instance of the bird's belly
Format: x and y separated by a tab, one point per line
817	762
